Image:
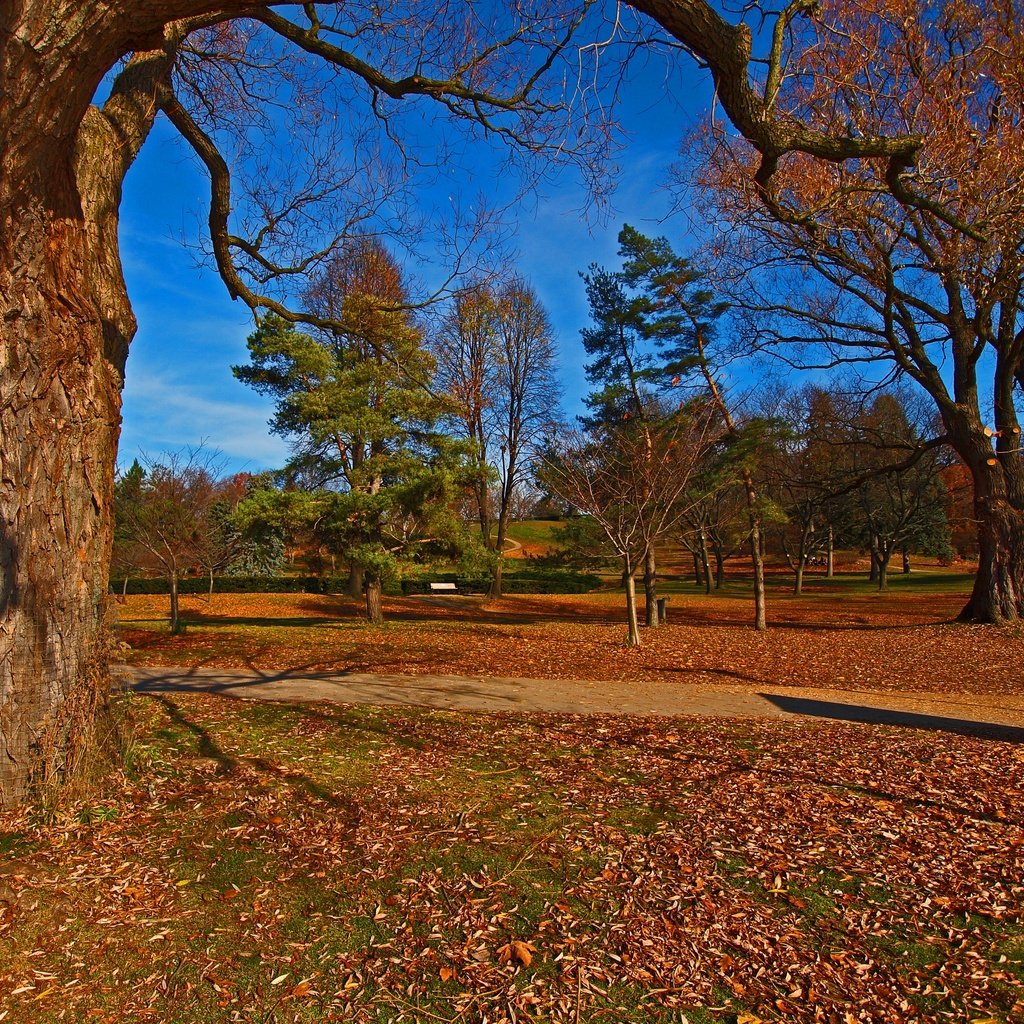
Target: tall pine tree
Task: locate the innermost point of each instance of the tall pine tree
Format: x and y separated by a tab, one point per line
355	403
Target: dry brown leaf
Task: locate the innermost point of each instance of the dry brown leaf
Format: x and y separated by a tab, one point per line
517	950
523	952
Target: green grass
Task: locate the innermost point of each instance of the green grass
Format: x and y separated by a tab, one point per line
368	852
535	531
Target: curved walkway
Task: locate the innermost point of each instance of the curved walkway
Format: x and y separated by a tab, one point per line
990	717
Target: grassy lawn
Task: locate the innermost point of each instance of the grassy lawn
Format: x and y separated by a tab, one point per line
265	862
841	634
535	535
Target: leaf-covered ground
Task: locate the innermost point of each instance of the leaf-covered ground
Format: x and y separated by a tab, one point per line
905	641
263	862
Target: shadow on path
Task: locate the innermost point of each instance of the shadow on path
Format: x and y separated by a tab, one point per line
888	716
344	686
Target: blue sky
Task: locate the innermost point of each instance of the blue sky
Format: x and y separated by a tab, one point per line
179	388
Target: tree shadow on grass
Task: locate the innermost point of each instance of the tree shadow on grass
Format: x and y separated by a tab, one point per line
200	618
206	747
227	764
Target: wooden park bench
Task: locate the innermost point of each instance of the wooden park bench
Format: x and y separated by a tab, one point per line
443	588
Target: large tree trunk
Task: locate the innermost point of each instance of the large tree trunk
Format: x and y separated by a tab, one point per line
60	381
65	324
998	594
998	478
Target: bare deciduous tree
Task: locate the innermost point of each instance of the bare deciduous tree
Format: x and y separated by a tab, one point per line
496	360
169	518
913	262
465	347
632	480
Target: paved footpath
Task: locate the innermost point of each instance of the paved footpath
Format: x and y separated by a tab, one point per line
992	717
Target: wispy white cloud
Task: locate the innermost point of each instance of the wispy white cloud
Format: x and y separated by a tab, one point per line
163	413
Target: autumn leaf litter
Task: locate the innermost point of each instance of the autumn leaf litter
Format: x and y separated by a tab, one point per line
327	863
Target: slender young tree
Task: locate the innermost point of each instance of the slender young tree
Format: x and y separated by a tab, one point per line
626	373
680	315
527	398
630	477
466	349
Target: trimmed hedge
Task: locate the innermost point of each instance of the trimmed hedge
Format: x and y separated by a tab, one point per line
237	585
536	581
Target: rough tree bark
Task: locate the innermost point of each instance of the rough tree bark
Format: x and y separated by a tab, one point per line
65	326
60	381
374	605
998	593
